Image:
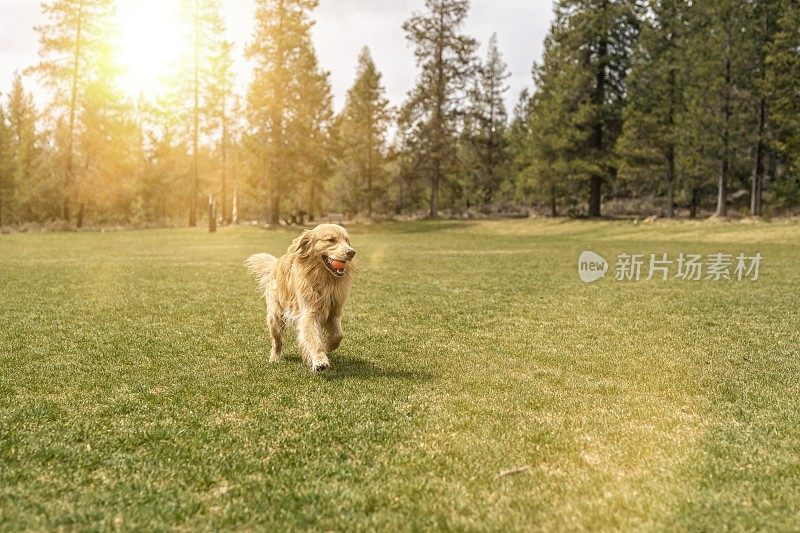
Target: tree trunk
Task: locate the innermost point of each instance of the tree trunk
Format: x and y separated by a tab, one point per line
596	181
235	207
73	105
274	208
722	191
224	199
369	170
276	164
235	196
693	204
670	201
81	212
212	216
670	182
553	207
596	184
438	119
722	185
434	212
671	147
369	196
758	172
196	117
312	201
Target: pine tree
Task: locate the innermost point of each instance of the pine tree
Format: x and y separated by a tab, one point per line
167	160
435	106
517	139
655	96
197	80
487	124
552	159
581	90
220	112
361	130
6	166
23	151
410	190
782	82
719	121
76	61
766	13
537	150
310	135
288	102
540	136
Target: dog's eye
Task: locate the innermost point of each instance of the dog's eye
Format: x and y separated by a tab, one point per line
331	239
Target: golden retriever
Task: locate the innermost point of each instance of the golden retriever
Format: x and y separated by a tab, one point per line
307	288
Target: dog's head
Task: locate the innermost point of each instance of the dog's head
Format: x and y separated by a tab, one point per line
329	244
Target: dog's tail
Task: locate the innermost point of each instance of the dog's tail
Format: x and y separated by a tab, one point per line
261	266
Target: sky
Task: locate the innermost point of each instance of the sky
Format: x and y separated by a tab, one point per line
149	43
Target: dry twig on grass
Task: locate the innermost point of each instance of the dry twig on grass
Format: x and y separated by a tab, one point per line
512	471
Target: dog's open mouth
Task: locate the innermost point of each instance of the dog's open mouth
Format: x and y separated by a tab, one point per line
335	266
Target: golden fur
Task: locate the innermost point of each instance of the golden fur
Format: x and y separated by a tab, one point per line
302	289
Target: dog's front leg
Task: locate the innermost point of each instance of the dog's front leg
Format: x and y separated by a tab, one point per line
276	323
335	334
310	340
276	327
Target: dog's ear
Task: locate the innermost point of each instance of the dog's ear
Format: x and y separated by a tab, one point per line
302	244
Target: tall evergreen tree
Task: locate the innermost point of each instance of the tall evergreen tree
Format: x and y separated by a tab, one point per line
361	129
487	121
782	83
582	86
198	79
719	120
310	135
518	137
163	190
289	97
446	59
548	159
410	191
655	96
23	152
6	166
766	13
76	63
219	108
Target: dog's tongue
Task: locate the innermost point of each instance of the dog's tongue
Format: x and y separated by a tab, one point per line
338	265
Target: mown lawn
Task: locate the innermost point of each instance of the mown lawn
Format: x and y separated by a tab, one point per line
135	391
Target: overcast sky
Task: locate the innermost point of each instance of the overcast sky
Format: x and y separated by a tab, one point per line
342	28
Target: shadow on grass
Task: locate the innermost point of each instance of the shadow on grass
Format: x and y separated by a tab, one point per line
347	367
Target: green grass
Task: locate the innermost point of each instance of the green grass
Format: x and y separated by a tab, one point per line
135	391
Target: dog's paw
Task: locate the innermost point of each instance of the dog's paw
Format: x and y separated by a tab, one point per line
320	366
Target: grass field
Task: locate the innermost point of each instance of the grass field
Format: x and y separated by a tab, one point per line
135	391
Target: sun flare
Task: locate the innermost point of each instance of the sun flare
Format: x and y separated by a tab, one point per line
151	42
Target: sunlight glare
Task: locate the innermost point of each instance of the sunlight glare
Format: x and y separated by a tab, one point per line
151	42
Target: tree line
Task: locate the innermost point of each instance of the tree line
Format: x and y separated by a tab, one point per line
695	103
